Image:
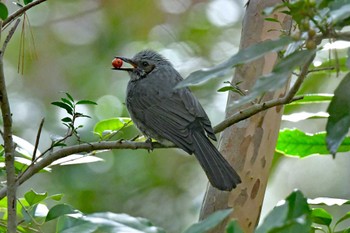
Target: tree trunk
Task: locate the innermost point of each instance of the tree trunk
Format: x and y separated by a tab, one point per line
250	144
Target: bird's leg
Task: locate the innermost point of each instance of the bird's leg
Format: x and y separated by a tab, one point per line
134	138
150	143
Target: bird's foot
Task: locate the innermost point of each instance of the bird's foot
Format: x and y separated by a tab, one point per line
135	138
150	143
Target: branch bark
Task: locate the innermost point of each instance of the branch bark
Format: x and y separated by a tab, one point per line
20	12
9	150
249	146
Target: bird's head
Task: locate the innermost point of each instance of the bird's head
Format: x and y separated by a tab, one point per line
142	64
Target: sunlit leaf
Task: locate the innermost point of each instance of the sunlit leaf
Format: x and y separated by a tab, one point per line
210	222
112	124
33	197
3	11
243	56
339	115
300	116
105	222
321	216
293	215
24	147
294	142
340	14
313	98
329	201
22	163
76	159
56	197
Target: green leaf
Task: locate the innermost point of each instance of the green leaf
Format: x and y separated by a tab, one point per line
86	102
348	59
33	197
342	219
112	124
321	216
60	210
210	222
56	197
272	20
233	227
226	88
279	75
313	98
339	115
70	97
23	163
340	14
27	1
66	119
65	106
105	222
232	88
294	142
70	103
3	11
74	224
243	56
293	215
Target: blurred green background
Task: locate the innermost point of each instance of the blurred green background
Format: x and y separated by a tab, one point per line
71	51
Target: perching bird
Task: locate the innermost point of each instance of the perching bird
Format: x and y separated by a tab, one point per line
161	112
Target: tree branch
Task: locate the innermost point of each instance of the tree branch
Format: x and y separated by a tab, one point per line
9	36
9	150
21	11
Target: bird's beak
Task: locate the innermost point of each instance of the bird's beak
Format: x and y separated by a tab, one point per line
126	60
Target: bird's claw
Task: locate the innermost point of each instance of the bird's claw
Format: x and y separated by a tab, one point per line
150	143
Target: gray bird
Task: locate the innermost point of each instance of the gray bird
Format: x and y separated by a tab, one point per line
164	113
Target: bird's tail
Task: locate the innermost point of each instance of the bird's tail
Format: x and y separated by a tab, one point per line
219	172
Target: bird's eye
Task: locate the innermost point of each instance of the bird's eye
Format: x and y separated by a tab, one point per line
144	63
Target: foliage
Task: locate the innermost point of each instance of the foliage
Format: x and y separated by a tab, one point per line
314	22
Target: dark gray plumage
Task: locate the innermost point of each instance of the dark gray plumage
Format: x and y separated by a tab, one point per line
164	113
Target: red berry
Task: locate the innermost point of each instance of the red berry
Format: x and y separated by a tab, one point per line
117	62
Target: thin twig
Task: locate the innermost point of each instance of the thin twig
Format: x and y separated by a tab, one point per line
321	69
21	11
9	36
38	139
256	108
